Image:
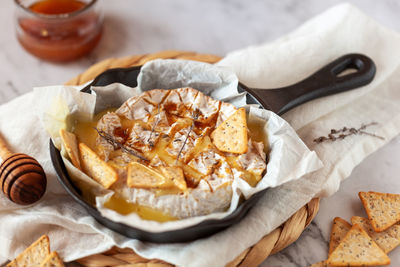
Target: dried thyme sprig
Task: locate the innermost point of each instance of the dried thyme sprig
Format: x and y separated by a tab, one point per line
111	140
195	117
344	132
154	126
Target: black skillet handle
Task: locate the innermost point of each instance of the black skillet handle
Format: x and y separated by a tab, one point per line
326	81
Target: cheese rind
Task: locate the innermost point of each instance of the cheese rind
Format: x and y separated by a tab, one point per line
187	173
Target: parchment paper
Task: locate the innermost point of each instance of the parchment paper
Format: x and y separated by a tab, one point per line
289	158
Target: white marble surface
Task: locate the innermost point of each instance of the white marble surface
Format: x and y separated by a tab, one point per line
134	27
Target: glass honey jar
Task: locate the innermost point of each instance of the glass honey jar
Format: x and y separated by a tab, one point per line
58	30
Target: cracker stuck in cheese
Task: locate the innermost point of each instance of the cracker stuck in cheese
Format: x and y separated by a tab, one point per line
96	168
177	151
231	135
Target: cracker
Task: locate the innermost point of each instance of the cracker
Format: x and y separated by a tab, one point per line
96	168
141	176
34	254
175	177
383	209
386	240
52	260
340	228
231	135
71	146
357	248
320	264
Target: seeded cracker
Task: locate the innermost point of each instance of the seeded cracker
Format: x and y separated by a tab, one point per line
96	168
383	209
52	260
386	240
357	248
165	130
71	146
175	176
34	254
141	176
339	230
231	135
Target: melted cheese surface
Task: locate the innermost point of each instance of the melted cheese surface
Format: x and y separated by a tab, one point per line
172	128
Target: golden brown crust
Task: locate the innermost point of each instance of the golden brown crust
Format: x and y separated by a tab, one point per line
71	146
231	135
34	254
386	240
52	260
339	230
383	209
96	168
357	249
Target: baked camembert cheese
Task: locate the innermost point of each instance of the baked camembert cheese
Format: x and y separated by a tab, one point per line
173	151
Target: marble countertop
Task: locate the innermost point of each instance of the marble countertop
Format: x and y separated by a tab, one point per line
217	27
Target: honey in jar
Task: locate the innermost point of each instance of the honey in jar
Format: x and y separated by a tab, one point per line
58	30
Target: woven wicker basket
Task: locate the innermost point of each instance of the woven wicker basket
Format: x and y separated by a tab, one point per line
272	243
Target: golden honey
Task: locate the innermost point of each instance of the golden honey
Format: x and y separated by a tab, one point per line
123	207
59	30
152	140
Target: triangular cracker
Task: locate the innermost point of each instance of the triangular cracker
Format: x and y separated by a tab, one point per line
141	176
34	254
175	176
357	248
386	240
339	230
383	209
71	146
52	260
96	168
231	135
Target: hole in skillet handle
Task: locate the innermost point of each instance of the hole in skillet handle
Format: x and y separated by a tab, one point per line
351	63
347	72
128	76
330	79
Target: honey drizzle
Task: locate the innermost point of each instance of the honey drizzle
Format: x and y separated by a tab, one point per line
192	176
123	207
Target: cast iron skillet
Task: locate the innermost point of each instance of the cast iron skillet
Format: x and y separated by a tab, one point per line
324	82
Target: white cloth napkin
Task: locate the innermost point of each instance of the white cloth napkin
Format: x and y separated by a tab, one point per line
338	31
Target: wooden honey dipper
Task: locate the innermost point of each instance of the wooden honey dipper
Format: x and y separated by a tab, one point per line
22	179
